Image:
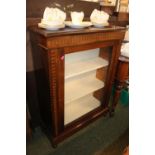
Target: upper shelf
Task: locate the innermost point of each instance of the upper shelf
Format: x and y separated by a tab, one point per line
83	66
82	62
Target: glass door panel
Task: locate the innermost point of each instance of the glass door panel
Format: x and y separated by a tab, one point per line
85	79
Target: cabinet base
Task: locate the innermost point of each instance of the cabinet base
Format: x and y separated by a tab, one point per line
77	125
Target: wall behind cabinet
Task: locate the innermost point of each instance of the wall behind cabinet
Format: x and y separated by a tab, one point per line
35	8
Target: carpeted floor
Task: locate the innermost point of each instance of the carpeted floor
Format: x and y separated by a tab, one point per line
106	136
117	147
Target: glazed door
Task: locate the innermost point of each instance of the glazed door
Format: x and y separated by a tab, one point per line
87	72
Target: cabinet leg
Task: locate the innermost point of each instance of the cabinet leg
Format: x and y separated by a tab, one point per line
28	127
111	112
54	145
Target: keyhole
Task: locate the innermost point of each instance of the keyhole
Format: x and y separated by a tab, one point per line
62	58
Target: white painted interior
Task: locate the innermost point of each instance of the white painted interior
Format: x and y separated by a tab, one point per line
81	85
83	55
81	82
80	107
83	66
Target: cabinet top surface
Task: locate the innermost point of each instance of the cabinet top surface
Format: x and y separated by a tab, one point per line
70	31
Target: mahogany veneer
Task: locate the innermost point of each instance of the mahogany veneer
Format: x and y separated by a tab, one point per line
51	47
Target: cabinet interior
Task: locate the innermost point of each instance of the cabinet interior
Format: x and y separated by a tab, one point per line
85	79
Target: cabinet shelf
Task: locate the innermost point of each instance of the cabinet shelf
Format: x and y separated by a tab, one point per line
82	62
81	85
80	107
83	66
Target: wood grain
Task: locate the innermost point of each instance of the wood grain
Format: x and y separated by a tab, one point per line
53	47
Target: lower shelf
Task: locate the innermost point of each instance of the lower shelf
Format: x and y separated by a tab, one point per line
80	107
81	85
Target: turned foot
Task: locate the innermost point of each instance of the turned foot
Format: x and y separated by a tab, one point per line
54	146
111	112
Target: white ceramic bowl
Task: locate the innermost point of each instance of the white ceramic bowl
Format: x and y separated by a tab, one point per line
51	23
100	24
77	17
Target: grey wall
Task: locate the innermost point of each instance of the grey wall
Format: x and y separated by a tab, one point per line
35	8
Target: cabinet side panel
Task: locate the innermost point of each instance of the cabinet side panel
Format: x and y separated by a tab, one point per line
41	79
44	98
45	103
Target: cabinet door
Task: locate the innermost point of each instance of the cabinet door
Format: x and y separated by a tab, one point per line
86	82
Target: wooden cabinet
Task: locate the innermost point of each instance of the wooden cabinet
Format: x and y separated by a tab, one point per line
78	68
